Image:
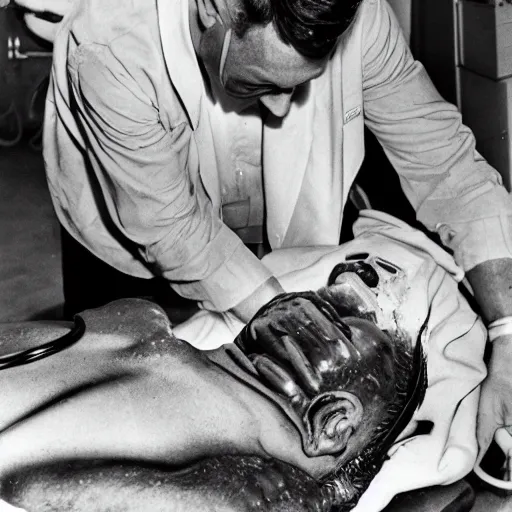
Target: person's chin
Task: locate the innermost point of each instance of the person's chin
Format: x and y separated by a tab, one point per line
238	105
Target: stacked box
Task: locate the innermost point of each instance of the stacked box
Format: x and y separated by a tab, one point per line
486	32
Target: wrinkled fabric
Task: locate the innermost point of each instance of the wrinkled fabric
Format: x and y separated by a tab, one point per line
454	343
133	157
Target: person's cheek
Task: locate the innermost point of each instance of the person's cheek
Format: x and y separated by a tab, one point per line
210	49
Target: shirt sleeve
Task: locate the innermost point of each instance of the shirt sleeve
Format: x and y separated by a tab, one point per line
141	170
452	188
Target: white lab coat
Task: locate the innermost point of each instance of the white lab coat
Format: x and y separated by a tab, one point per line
120	70
312	156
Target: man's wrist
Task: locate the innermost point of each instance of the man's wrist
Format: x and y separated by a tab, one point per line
502	345
491	282
246	309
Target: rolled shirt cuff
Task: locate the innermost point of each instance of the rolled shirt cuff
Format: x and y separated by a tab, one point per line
474	242
235	279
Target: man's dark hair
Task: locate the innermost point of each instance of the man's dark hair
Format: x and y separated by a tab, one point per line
399	393
312	27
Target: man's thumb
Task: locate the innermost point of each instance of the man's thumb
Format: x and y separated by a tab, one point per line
485	428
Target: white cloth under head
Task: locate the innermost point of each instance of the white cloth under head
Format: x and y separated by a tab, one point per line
455	343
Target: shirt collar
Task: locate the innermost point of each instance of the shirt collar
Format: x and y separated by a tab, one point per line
179	54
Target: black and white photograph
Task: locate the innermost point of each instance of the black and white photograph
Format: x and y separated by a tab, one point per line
255	255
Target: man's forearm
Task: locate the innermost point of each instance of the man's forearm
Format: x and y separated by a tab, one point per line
492	287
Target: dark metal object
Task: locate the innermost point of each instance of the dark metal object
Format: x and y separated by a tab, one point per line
45	15
14	51
47	349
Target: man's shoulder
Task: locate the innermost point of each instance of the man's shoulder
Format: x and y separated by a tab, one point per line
122	38
106	21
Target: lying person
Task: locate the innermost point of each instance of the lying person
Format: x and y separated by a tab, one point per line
132	418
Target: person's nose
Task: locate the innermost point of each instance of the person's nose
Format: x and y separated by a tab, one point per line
279	103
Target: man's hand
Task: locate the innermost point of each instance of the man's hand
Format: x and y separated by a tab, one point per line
285	342
248	307
495	409
491	282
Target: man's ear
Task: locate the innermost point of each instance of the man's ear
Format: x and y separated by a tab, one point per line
331	420
208	11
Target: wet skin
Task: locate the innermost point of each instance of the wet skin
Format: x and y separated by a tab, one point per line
129	390
303	357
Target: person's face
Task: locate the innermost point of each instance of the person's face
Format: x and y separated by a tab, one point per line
257	66
338	375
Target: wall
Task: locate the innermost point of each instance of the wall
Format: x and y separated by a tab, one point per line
19	78
402	9
429	26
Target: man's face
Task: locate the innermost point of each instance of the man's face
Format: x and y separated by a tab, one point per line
257	66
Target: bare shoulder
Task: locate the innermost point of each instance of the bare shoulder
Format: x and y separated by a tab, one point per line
121	325
132	328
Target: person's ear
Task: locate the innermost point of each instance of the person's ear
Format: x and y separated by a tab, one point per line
208	13
331	419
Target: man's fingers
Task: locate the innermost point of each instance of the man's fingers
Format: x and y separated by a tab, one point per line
278	378
504	440
41	28
487	422
302	366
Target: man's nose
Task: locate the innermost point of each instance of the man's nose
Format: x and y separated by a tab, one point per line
278	104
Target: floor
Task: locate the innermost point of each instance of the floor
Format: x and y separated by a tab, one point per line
30	275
